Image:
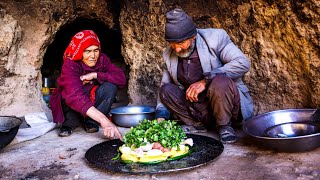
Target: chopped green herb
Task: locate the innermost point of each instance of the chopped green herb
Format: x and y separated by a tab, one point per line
167	133
117	156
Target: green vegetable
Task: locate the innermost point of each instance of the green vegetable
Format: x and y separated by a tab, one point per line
152	162
167	133
117	156
126	161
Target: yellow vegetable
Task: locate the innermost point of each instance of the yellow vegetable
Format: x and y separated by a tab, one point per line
129	157
175	153
152	158
153	155
166	154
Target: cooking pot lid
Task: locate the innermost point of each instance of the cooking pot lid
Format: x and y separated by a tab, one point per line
206	150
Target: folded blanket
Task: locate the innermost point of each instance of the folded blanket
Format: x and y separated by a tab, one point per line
38	124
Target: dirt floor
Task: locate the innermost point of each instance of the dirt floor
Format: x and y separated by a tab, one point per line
52	157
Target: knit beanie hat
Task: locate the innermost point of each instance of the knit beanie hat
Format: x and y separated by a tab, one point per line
179	26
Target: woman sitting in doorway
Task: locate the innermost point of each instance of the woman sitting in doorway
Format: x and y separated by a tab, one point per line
87	87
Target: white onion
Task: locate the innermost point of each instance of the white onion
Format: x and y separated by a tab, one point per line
189	141
154	152
146	147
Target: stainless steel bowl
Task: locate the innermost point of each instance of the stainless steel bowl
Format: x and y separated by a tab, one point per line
259	125
292	129
130	116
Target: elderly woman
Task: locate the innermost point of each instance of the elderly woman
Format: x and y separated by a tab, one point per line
87	87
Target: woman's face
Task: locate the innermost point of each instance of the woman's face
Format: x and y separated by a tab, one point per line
90	55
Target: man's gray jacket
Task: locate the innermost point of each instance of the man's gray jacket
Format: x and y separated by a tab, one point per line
218	54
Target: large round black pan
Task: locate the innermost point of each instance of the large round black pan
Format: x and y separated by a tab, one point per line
206	150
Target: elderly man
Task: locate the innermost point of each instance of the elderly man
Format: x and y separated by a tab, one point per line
202	82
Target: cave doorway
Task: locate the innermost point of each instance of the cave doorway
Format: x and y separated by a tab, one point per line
110	39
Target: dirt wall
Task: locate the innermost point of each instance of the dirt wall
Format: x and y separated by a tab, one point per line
281	39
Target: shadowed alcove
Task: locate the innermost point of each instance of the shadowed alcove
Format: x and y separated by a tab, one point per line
110	39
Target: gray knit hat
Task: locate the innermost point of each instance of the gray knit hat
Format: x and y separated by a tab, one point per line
179	26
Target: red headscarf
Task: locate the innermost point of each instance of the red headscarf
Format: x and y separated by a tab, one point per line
79	43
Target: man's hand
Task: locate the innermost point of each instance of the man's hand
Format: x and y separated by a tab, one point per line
194	90
87	78
160	119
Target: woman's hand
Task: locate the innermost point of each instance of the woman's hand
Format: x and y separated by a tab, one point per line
87	78
109	129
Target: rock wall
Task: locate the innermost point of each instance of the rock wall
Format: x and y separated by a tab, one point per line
281	39
27	28
142	27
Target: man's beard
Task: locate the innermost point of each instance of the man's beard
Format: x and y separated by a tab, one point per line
186	53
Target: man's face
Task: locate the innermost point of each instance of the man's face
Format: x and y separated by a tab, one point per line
90	55
184	48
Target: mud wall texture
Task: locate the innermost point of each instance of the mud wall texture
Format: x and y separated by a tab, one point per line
27	28
281	39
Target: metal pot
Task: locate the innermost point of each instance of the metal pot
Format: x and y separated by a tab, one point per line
130	116
258	127
9	126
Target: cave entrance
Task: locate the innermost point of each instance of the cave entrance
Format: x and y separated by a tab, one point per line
110	40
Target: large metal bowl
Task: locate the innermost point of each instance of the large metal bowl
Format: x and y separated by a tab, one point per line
130	116
258	127
292	129
9	126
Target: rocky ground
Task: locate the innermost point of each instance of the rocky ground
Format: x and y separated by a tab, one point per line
52	157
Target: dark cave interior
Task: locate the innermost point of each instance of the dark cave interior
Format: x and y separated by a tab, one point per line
110	39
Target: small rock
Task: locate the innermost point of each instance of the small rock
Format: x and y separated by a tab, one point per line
65	154
76	177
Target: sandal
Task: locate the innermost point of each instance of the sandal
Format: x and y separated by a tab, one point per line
227	134
65	131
